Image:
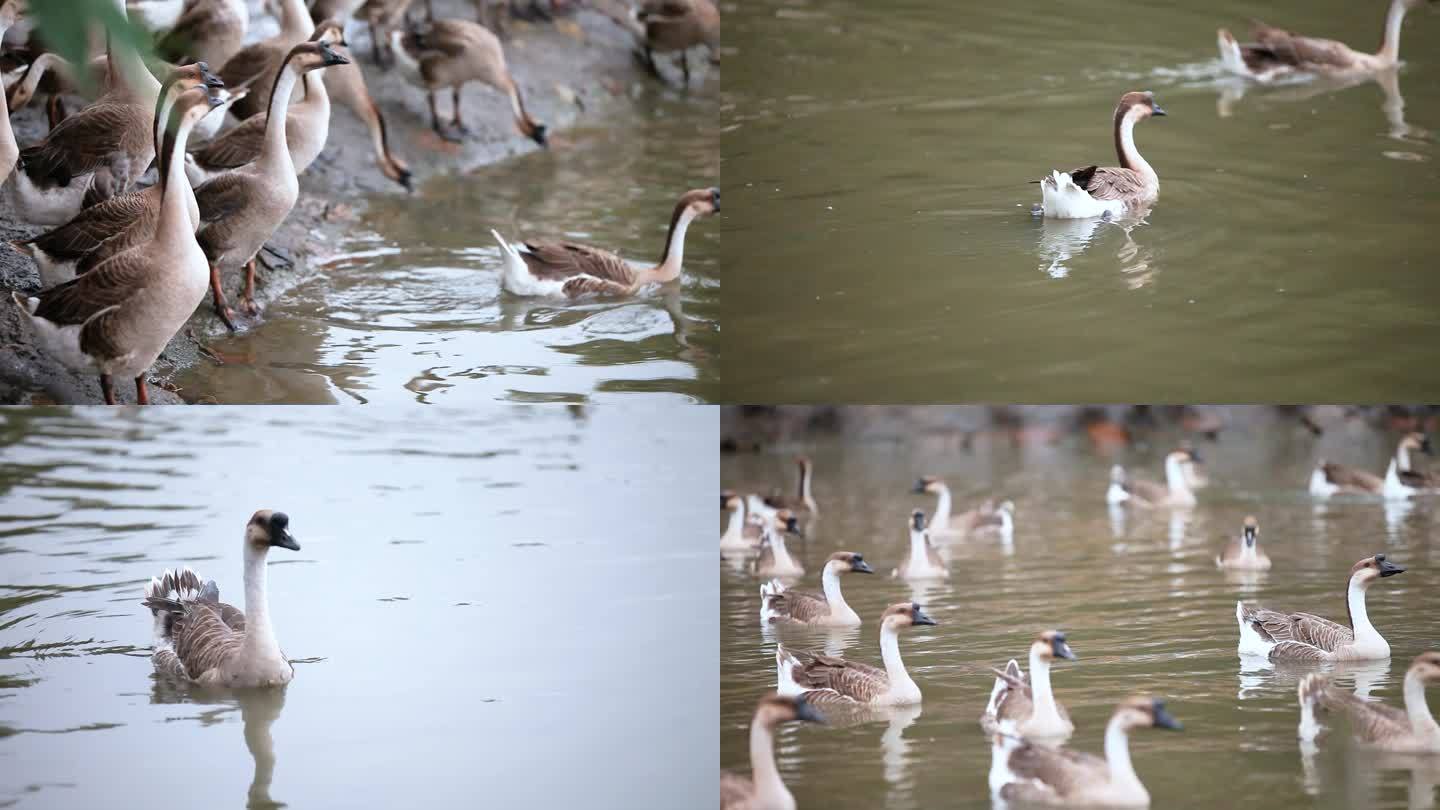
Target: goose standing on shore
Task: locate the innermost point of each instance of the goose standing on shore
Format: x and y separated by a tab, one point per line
197	638
1112	191
1412	731
210	31
1174	492
779	605
258	64
923	561
116	319
1306	637
764	789
1029	709
803	501
1277	53
572	270
677	26
9	149
829	681
1037	774
1243	552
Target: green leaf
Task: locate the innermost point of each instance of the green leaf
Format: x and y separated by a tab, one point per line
65	25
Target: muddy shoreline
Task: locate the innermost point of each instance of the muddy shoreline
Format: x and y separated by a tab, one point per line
575	72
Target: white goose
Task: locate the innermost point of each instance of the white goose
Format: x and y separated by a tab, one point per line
923	561
199	639
1243	552
1306	637
1174	492
1093	191
779	605
831	681
1401	479
1029	710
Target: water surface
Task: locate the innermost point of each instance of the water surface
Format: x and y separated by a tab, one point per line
474	608
1139	595
880	244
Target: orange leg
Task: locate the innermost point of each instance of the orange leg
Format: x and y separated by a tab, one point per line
142	396
221	307
247	300
107	388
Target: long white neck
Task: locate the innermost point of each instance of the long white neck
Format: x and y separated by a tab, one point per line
259	635
176	225
9	149
295	22
669	269
1421	720
805	496
1117	755
276	151
782	554
830	583
1390	46
1402	458
1129	154
890	654
1175	480
1040	690
1365	632
940	521
919	559
770	791
736	525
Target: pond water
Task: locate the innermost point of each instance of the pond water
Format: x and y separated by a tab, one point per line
1138	594
473	614
880	247
411	309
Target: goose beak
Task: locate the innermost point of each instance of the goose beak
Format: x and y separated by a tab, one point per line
919	487
1156	109
1163	718
1249	536
333	58
804	711
1426	447
1062	650
286	540
861	567
1389	569
917	616
792	526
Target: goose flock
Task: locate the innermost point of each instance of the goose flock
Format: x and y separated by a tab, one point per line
1025	721
123	267
1130	188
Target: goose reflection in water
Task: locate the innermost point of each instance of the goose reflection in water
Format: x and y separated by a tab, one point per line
1233	89
259	709
1063	240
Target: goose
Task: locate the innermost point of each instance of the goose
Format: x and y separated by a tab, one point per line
763	789
211	31
199	639
733	539
679	25
258	63
450	53
1037	774
1305	637
345	84
775	559
9	149
803	501
779	605
827	680
1174	492
1028	709
117	318
997	520
924	561
940	518
1401	479
1244	552
95	153
307	126
1329	478
571	270
743	532
28	83
1277	53
1109	192
240	209
1412	731
58	252
386	16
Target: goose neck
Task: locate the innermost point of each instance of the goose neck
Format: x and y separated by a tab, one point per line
1041	693
940	521
276	148
1421	720
127	67
1126	150
295	21
259	636
1117	755
735	527
175	224
890	655
919	557
830	584
770	790
1402	458
670	263
1390	45
1365	632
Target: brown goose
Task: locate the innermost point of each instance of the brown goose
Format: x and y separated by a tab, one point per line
1030	773
346	86
1330	478
1109	192
197	639
1306	637
763	789
240	209
210	31
116	319
1277	52
779	605
571	270
1411	731
131	216
449	53
827	680
678	25
1174	492
1243	552
803	501
258	63
924	561
1029	709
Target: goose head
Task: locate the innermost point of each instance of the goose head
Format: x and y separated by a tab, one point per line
1417	442
1117	475
785	521
1143	711
730	500
1370	569
928	484
1426	667
1138	105
268	528
308	56
1008	507
703	202
1250	532
903	615
845	561
775	709
191	106
330	32
1050	645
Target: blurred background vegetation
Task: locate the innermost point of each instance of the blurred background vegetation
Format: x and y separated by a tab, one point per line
66	26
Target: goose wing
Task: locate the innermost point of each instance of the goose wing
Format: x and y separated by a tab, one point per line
249	64
85	141
800	606
1304	628
1147	490
933	556
87	229
862	682
1340	475
236	146
1110	183
1293	49
1059	771
1372	722
1016	701
203	641
197	22
553	261
1231	550
94	299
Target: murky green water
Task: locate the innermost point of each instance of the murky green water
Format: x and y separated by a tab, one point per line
880	246
472	612
412	311
1139	595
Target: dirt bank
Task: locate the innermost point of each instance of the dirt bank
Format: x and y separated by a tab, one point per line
570	74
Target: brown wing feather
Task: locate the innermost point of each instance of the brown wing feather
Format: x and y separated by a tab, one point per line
236	146
1111	183
1062	769
85	141
850	678
1340	475
94	225
800	607
560	260
1370	721
249	63
1293	49
111	284
203	640
1147	490
588	285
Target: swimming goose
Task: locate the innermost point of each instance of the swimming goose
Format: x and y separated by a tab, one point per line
1277	52
1329	478
1244	552
1175	492
241	208
1305	637
1094	191
679	25
827	680
997	520
1038	774
1028	709
117	318
194	639
1401	479
571	270
1412	731
449	53
923	561
210	31
763	789
258	64
775	559
940	518
779	605
803	500
131	216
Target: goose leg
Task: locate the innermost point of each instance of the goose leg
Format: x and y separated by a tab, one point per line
457	124
221	307
429	11
142	395
685	66
375	44
107	388
247	298
650	62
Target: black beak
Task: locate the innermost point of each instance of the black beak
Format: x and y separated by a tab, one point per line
1156	109
918	521
917	616
331	57
1426	448
1249	536
715	199
1163	718
792	526
804	711
1062	650
1387	568
280	532
861	567
919	487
